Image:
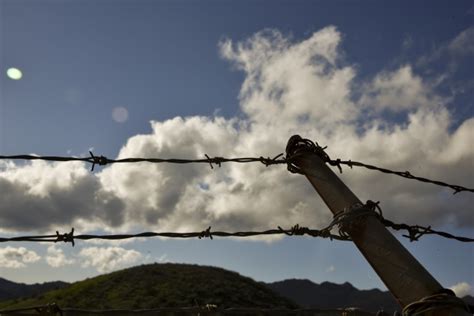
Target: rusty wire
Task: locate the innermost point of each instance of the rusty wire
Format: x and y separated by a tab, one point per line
403	174
297	146
432	303
414	232
437	303
207	233
341	220
296	143
207	309
102	160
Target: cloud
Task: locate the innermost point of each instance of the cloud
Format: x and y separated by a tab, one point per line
55	257
399	90
11	257
461	46
287	82
40	195
120	114
407	42
331	269
106	259
163	258
291	87
461	289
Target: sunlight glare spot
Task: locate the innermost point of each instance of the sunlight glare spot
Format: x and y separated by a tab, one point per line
120	114
14	73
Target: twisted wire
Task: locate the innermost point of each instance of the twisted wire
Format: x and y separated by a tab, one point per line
208	309
102	160
207	233
436	303
342	220
298	146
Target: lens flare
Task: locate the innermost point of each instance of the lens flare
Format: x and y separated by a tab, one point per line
14	73
120	114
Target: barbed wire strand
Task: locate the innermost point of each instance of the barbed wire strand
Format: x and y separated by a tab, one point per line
207	309
298	145
53	309
403	174
414	232
207	233
218	161
102	160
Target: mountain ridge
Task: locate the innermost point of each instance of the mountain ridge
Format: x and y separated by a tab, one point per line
12	290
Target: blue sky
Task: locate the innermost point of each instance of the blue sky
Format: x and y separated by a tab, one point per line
387	83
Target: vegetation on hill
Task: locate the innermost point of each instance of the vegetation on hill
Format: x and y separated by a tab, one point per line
161	285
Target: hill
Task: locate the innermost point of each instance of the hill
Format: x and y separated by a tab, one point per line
161	285
329	295
10	290
184	285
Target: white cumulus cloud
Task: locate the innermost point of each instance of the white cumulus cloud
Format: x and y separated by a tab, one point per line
399	90
40	195
11	257
106	259
56	258
291	87
461	289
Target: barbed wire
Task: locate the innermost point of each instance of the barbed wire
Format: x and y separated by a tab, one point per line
297	143
414	232
442	300
207	309
102	160
207	233
403	174
341	220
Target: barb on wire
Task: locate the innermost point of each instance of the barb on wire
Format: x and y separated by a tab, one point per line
297	145
66	237
414	232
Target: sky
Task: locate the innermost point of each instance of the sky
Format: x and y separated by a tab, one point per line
387	83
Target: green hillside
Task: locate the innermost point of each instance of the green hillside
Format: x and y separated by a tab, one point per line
160	285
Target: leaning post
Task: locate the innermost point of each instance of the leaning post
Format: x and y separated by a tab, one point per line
404	276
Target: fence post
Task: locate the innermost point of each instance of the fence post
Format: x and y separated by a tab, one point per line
404	276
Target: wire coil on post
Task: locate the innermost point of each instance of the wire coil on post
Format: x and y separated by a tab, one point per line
444	300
